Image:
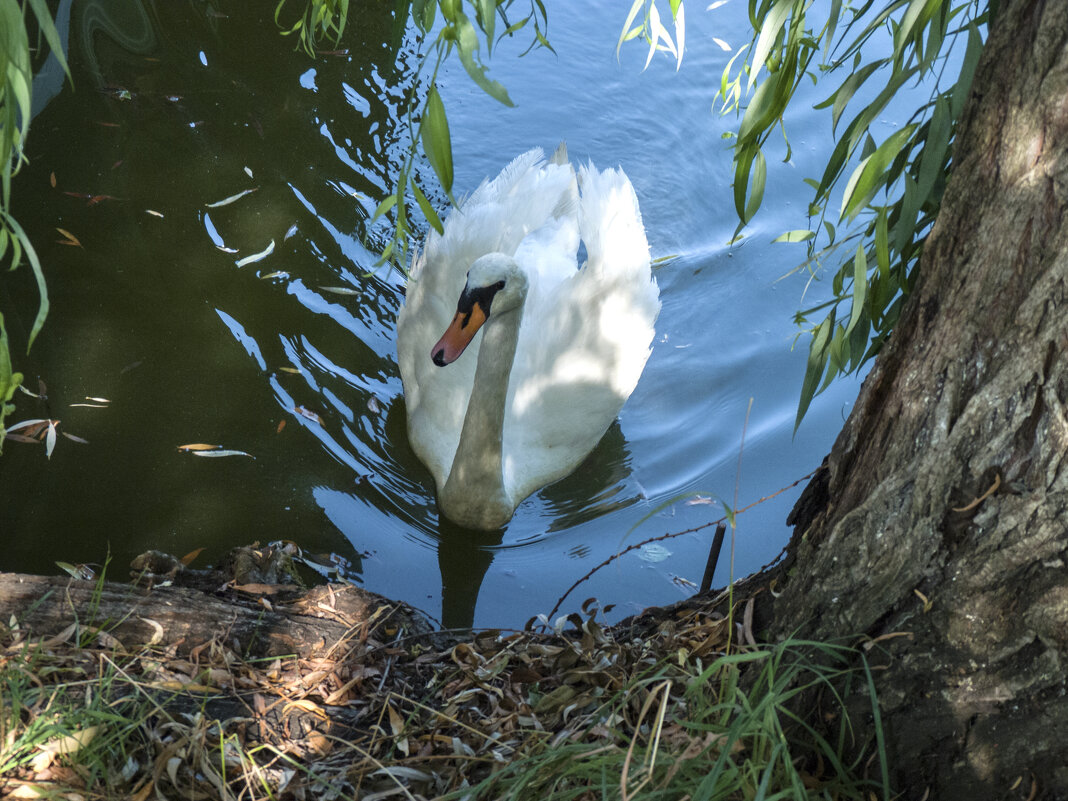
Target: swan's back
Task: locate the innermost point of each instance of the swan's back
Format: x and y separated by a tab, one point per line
584	342
530	201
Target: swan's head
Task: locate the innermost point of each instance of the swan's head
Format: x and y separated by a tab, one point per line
496	285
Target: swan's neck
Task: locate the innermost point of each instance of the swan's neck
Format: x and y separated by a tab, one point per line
474	494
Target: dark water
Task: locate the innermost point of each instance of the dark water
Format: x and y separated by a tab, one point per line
174	108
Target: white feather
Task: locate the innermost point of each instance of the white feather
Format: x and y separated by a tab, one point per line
583	341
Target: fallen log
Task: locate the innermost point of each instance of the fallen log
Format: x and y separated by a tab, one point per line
273	621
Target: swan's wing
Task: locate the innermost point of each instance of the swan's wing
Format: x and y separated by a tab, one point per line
583	343
527	197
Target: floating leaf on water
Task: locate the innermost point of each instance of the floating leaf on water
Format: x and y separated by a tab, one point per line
700	500
223	452
308	414
199	446
94	199
225	249
75	438
652	552
154	213
275	274
281	425
33	427
9	437
97	400
257	256
69	238
340	290
32	394
292	230
52	180
248	171
90	405
227	201
722	45
292	370
189	557
372	405
50	439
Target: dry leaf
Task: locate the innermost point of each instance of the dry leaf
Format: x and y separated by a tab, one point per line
70	239
231	199
67	744
157	631
308	414
225	452
263	254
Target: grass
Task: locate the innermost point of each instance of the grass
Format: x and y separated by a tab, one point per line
590	714
729	731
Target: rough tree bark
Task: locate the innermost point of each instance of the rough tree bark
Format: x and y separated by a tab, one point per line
969	396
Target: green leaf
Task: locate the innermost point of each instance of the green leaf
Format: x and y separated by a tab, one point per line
882	246
487	15
437	144
905	229
51	35
860	287
817	362
627	33
870	174
963	88
750	174
427	209
385	206
769	32
763	109
933	158
467	48
20	238
797	235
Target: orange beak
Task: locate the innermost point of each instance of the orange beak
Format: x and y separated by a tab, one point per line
458	336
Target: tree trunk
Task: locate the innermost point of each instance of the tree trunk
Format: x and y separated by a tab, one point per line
947	482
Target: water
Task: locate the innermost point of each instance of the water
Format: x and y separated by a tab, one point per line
270	358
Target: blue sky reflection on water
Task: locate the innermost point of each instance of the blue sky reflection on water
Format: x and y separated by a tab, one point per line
291	357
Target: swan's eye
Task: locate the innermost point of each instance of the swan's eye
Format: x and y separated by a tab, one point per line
481	296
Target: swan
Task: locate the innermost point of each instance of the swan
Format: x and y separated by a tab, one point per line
496	417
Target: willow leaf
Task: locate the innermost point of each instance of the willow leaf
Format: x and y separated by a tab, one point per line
437	143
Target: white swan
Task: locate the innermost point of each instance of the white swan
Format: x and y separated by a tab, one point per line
561	348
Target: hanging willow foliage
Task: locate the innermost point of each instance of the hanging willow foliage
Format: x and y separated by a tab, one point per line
16	87
464	26
890	190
